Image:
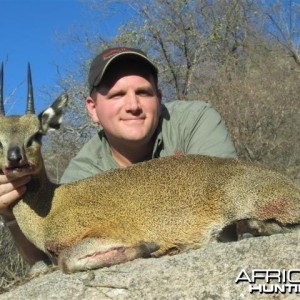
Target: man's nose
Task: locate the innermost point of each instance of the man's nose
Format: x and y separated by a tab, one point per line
132	102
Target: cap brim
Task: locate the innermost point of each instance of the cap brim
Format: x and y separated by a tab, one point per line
117	56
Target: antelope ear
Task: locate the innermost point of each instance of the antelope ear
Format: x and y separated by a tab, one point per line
2	112
51	117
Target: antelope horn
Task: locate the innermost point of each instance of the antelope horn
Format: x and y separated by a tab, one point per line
2	112
30	100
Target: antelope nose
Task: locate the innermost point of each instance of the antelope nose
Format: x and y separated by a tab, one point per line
14	154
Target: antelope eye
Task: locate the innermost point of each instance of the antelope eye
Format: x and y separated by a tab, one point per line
30	141
35	138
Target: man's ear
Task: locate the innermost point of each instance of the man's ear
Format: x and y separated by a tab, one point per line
51	117
159	95
91	109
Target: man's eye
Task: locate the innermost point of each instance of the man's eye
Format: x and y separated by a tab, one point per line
116	96
145	93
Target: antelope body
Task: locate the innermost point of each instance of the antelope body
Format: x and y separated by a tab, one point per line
152	208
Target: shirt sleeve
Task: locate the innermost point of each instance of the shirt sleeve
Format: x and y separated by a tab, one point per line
208	134
79	168
85	163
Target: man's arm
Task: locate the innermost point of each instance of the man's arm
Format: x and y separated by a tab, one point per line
10	191
209	135
26	249
195	127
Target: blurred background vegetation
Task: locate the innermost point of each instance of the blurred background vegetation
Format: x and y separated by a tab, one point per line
240	55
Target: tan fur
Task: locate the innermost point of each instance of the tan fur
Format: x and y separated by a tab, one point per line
161	206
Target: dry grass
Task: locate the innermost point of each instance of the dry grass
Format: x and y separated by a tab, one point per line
12	266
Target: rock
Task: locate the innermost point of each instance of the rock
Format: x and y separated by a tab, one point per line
206	273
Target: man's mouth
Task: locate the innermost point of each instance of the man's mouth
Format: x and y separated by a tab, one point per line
134	120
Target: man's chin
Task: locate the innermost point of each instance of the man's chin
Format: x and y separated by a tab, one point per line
134	135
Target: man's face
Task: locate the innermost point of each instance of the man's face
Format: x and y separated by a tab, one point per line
127	106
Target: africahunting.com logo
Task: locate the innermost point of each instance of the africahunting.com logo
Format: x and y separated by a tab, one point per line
271	281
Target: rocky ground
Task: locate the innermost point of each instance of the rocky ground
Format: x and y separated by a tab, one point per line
207	273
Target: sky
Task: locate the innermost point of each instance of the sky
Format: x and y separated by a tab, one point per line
28	33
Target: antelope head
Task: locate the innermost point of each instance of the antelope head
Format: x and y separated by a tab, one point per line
20	135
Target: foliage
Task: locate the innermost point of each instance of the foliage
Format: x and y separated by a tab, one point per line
261	112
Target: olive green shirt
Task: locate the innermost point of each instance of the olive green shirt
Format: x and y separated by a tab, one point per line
185	127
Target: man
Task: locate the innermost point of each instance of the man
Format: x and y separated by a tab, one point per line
126	102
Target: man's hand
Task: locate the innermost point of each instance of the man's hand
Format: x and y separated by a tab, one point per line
11	189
